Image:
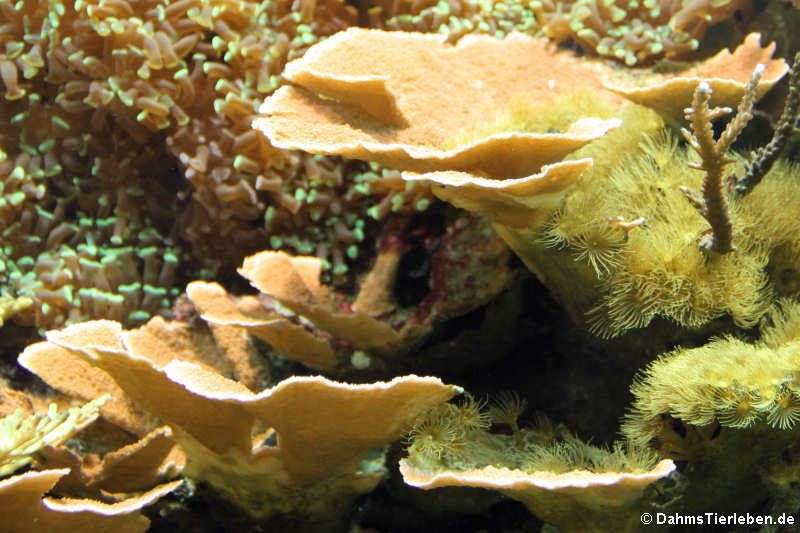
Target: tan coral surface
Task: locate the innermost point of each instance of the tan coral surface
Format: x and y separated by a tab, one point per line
574	501
397	98
324	429
726	73
22	505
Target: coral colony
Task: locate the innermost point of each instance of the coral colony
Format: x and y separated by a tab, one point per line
299	266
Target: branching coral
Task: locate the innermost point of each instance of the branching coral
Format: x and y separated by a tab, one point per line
653	267
713	204
658	269
766	156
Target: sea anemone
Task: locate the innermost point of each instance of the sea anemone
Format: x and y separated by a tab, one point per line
437	434
471	415
785	411
507	408
599	245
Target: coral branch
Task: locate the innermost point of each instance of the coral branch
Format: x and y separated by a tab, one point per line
766	155
713	203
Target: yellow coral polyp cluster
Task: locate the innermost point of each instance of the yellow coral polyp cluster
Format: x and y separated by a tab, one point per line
457	437
656	268
727	381
22	436
561	479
